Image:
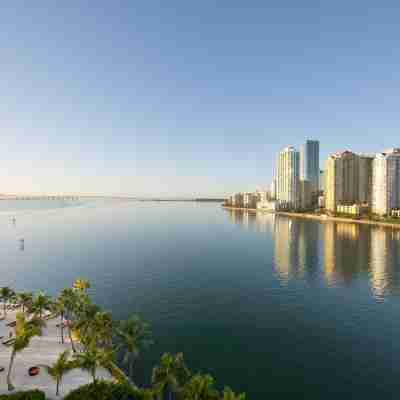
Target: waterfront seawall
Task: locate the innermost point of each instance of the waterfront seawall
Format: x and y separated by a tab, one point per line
321	218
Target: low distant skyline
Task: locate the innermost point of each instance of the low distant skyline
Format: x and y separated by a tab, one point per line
183	99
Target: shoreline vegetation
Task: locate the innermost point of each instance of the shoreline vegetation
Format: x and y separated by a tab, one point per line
322	217
68	347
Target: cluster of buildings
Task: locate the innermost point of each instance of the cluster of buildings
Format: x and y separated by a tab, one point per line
352	183
368	183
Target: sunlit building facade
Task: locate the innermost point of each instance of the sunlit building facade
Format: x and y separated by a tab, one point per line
386	182
321	186
288	178
341	180
272	189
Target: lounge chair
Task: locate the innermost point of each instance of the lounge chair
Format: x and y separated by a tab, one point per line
33	371
12	324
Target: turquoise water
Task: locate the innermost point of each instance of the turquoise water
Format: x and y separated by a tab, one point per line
268	305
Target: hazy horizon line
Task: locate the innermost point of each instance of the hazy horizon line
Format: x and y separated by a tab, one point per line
117	195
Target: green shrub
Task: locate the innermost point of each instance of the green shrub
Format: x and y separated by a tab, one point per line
105	391
29	395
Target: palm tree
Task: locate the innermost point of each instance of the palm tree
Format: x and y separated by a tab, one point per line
41	303
25	299
60	309
25	331
6	294
14	298
103	329
92	359
85	322
200	387
60	367
134	335
170	375
117	373
228	394
81	284
69	299
147	394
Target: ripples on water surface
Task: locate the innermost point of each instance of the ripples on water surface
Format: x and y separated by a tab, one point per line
267	304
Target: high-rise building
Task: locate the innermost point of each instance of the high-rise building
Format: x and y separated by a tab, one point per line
306	195
348	180
237	200
262	195
365	178
250	200
341	180
309	164
288	193
321	184
386	182
272	189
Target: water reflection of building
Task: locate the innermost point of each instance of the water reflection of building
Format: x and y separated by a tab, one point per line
245	219
352	252
249	219
236	216
348	231
309	232
286	247
295	241
296	248
346	248
265	222
261	222
329	251
385	252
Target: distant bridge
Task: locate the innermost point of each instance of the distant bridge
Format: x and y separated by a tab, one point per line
24	197
59	197
83	197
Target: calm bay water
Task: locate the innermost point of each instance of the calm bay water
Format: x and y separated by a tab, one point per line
267	304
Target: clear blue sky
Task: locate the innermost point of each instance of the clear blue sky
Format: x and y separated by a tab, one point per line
189	97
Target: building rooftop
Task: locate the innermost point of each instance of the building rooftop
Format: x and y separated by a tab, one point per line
289	148
341	154
394	150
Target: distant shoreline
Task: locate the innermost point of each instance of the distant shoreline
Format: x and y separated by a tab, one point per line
78	197
321	218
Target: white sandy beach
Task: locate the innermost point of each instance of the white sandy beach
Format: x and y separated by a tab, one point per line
42	350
